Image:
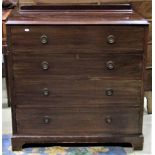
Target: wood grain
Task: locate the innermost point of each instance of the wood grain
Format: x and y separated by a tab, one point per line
144	8
126	66
92	39
75	122
74	98
68	92
85	17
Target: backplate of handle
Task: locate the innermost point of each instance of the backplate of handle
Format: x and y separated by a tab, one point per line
111	39
110	65
45	91
45	65
109	92
44	39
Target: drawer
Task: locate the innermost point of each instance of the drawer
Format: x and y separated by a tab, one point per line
73	39
77	121
77	92
125	66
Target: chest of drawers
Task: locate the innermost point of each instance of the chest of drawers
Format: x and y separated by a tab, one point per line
77	76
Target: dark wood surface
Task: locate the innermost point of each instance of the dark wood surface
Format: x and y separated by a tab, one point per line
78	93
143	8
78	82
106	17
88	65
77	121
148	80
97	140
77	39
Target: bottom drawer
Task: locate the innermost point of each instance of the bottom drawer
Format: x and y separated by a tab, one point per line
77	121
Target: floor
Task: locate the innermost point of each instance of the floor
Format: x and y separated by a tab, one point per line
147	125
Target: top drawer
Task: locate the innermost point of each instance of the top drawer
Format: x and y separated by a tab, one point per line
72	39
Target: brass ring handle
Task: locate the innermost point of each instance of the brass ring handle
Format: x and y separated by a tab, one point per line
44	65
110	65
44	39
109	92
45	92
111	39
108	120
46	119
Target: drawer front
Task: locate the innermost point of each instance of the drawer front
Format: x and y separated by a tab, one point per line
77	121
66	92
125	66
73	39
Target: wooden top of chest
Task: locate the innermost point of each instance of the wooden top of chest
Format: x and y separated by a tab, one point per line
109	14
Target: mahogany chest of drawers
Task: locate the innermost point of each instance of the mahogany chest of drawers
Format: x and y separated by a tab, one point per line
76	74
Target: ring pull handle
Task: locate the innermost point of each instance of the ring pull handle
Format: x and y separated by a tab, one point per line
45	92
110	65
109	92
45	65
44	39
111	39
46	119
